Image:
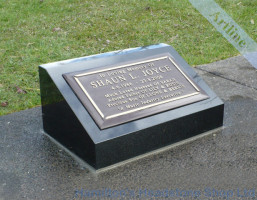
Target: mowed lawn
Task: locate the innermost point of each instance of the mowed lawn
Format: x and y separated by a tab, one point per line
33	32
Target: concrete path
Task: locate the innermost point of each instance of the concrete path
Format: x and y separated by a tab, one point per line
222	163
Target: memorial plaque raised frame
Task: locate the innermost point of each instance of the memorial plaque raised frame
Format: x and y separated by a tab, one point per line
125	92
111	107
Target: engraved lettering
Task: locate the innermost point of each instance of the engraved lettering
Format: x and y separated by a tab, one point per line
149	101
118	79
150	72
117	103
111	95
143	87
129	106
155	70
100	83
106	82
94	85
116	98
126	91
132	77
112	73
171	95
102	75
135	90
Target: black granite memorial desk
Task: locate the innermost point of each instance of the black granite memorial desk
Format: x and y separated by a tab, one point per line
111	107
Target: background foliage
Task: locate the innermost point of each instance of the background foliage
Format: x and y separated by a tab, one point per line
34	32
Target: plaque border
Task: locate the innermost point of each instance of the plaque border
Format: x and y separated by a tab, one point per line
141	108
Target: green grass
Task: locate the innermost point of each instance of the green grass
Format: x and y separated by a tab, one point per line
28	39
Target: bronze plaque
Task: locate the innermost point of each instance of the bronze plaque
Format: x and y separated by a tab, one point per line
127	91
